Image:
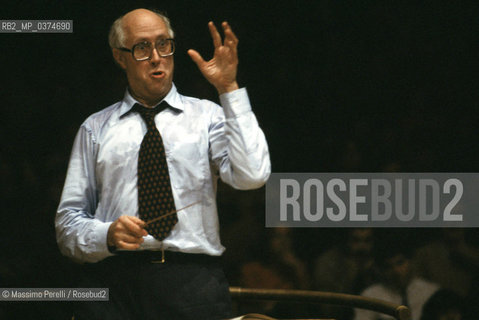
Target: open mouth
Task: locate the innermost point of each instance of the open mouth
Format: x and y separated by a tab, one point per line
157	74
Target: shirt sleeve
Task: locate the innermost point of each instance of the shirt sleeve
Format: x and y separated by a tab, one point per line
237	144
80	235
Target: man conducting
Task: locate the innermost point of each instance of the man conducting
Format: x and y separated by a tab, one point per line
138	205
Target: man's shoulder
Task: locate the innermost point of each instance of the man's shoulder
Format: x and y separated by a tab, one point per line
423	284
376	290
101	117
194	104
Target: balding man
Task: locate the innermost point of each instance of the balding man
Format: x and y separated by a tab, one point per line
138	205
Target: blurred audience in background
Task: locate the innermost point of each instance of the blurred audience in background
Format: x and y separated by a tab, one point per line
348	267
399	283
444	305
449	260
452	260
275	265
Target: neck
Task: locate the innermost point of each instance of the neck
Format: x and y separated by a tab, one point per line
144	102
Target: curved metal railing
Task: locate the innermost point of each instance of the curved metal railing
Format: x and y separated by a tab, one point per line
398	311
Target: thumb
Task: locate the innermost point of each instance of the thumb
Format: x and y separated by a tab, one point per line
196	57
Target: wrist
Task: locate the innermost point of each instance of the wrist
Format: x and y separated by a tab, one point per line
227	88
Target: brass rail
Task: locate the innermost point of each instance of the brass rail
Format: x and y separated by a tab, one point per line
398	311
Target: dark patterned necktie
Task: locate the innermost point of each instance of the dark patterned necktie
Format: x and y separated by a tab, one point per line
155	198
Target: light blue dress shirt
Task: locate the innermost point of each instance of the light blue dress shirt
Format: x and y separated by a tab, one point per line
202	142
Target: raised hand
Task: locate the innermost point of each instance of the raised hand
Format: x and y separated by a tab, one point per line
221	70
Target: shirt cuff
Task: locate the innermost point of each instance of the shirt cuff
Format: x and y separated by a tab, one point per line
100	241
235	103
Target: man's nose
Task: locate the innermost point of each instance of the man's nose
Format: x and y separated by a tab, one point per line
155	56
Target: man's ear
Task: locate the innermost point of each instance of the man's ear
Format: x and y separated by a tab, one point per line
119	58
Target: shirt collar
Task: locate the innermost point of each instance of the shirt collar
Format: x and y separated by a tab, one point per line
172	98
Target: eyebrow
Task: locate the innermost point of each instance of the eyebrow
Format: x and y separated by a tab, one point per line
161	36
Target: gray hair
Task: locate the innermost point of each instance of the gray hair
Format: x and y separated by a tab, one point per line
116	37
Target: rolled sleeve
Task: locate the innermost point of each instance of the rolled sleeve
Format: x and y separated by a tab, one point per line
80	236
99	241
235	103
238	143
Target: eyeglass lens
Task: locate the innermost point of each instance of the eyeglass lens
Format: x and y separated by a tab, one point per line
143	50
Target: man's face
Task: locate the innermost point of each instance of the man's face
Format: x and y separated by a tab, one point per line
361	242
149	80
398	270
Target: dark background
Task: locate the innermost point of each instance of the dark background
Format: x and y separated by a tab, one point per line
337	86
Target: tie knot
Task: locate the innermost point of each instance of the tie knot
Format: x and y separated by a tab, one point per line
148	114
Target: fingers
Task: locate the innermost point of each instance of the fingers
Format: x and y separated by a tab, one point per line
231	41
196	57
134	225
126	233
230	38
220	70
126	245
215	35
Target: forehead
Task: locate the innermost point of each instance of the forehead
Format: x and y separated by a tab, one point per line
361	234
143	26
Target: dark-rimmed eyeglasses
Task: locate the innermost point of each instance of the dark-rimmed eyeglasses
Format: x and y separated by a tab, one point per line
143	50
